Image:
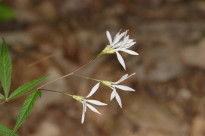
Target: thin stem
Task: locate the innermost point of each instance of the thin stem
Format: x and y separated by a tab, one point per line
73	71
38	61
57	92
86	77
21	95
39	89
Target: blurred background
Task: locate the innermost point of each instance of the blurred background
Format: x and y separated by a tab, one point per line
56	37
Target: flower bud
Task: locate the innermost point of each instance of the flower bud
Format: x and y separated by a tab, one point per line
107	83
78	98
108	50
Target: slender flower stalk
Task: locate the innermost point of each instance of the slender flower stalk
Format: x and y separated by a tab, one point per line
121	42
89	78
64	93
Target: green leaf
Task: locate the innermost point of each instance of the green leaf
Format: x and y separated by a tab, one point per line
4	131
26	87
6	13
5	68
26	109
2	97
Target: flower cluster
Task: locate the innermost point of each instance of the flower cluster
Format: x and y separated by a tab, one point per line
121	42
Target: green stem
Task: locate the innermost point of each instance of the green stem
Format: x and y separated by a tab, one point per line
39	89
57	92
86	77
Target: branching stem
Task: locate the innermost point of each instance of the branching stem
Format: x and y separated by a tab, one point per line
72	72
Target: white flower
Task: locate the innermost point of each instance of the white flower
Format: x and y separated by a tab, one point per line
114	85
86	102
121	42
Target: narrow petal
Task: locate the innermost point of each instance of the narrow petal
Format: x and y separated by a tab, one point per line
83	112
93	109
129	41
130	75
119	57
112	94
125	88
96	102
109	37
130	52
121	79
82	118
84	106
125	40
118	37
117	46
94	89
128	45
117	34
118	99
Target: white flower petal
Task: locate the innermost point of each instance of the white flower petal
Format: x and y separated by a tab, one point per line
130	52
93	109
119	57
121	79
131	75
129	41
117	38
96	102
113	94
109	37
125	40
82	118
94	89
118	45
117	34
83	112
118	99
125	88
128	45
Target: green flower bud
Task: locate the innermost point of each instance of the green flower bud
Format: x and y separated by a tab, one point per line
108	50
78	98
107	83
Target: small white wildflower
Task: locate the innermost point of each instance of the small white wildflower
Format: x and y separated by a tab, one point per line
121	42
86	102
114	85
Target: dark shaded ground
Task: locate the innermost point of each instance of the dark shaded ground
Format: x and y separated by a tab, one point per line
56	37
